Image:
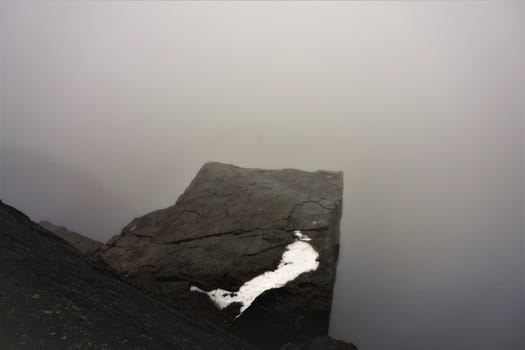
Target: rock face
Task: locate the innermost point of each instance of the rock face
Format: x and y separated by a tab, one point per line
84	244
54	297
233	227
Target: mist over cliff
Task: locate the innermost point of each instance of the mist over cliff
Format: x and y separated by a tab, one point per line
108	109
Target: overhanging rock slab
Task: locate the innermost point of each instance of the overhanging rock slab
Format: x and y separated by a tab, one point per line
234	227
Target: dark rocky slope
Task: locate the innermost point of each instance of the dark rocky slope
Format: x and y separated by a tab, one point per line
84	244
231	225
53	297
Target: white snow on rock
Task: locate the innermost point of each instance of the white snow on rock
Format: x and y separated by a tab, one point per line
301	237
298	258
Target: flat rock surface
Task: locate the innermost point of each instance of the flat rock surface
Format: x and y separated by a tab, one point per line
231	225
54	297
82	243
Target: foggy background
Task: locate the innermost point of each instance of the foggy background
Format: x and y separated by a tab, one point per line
109	108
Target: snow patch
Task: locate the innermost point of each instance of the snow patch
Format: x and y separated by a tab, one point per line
298	258
302	237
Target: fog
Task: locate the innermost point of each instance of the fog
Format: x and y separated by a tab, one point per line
109	108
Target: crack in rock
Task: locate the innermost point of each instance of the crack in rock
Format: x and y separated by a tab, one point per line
257	231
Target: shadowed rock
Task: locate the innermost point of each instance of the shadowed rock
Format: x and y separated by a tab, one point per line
322	343
84	244
54	297
232	225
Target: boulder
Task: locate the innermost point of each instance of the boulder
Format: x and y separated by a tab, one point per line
254	250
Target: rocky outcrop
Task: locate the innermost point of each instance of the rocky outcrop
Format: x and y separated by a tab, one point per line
54	297
233	230
84	244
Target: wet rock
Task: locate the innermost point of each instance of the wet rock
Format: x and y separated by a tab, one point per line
84	244
54	297
230	226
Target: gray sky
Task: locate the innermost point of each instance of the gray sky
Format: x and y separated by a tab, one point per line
108	109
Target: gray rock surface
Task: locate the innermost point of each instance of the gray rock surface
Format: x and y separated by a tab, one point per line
84	244
229	226
53	297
